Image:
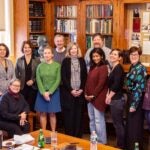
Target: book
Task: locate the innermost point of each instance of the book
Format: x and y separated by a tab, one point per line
136	24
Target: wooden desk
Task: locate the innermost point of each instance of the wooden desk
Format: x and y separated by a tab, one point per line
85	144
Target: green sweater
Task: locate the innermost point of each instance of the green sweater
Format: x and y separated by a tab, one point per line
48	77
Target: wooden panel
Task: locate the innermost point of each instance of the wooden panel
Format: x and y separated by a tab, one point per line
20	24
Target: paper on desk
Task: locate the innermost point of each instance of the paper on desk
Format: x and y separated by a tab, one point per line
26	147
21	139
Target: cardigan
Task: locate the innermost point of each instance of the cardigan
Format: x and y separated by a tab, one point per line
116	81
20	70
11	108
66	73
67	99
96	85
48	77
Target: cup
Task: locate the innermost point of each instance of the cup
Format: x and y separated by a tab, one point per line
54	138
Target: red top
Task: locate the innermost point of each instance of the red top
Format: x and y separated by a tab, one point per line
96	85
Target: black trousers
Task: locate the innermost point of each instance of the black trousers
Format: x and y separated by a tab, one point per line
14	128
73	118
134	126
30	96
117	108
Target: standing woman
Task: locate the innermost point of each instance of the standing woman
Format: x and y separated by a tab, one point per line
136	78
48	80
73	75
7	72
115	96
26	71
95	93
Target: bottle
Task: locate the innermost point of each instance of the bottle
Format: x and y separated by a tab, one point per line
41	141
1	139
136	146
93	141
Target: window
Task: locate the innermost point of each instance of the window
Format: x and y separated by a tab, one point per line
6	25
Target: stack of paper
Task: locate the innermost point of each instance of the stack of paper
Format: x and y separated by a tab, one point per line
21	139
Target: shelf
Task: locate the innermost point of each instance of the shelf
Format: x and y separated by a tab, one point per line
37	32
66	17
91	34
65	33
37	17
37	1
99	17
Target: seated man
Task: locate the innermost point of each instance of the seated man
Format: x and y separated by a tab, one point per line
13	110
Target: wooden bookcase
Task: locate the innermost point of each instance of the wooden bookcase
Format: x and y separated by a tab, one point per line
52	22
99	19
36	20
31	19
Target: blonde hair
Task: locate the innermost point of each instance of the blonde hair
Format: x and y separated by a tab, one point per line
69	47
48	47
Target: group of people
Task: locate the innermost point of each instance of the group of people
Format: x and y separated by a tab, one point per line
64	81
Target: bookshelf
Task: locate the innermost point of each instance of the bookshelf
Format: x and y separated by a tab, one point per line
99	19
36	20
66	21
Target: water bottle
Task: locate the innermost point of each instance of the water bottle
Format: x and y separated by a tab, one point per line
41	141
1	139
93	141
136	146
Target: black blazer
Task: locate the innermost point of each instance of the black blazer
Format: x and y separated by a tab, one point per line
66	73
20	70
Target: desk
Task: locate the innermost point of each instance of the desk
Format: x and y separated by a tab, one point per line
62	138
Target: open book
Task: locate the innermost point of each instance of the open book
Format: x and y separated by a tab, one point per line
26	147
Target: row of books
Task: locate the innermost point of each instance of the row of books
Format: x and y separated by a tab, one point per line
103	26
66	11
35	25
66	26
107	41
36	9
104	10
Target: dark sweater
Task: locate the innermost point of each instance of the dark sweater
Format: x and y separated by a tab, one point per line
10	108
96	85
116	81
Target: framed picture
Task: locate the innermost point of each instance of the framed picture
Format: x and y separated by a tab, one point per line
147	6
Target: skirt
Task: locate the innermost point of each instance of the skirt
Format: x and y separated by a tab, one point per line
52	106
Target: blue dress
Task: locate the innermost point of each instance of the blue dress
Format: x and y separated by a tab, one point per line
48	80
42	105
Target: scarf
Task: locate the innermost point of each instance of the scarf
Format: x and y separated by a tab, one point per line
15	95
